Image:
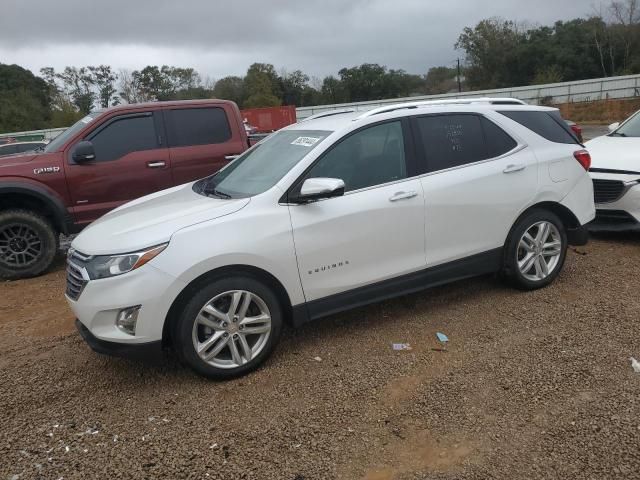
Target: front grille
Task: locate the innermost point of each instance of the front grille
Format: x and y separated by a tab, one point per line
614	217
77	277
607	191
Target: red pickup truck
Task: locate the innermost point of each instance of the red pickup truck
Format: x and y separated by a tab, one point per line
108	158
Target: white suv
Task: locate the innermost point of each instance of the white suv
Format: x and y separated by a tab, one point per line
335	212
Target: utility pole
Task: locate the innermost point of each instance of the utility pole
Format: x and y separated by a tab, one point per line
459	81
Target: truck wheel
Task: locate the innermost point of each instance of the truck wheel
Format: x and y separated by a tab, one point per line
535	251
28	244
229	327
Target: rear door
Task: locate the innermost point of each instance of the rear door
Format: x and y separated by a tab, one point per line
201	141
479	179
131	161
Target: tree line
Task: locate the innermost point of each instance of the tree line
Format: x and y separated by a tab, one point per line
496	53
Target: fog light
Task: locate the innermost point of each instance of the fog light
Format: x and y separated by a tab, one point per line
127	318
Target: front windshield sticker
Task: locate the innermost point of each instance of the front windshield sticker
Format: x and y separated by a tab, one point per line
86	119
306	141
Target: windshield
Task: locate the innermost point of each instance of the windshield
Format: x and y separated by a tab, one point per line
630	129
263	166
61	139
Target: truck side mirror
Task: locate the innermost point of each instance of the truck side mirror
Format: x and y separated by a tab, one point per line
84	152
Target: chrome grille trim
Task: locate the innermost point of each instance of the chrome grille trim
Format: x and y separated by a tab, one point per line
77	277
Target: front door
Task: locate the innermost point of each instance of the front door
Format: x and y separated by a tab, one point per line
372	233
131	161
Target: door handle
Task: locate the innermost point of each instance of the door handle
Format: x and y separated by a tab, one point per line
159	164
514	168
402	196
228	158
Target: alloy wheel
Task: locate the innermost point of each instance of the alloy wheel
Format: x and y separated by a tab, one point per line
20	245
231	329
539	251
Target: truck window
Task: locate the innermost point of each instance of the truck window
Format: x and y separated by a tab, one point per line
197	126
124	135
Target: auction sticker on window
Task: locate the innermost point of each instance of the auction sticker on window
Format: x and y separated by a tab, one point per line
306	141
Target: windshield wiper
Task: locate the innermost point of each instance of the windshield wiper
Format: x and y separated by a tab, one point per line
209	188
617	134
39	149
220	194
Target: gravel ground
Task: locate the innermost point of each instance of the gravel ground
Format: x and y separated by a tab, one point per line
533	386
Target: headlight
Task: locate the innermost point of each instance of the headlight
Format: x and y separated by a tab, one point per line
105	266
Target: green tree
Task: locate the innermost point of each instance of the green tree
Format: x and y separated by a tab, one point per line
262	86
105	81
78	84
24	100
230	88
441	80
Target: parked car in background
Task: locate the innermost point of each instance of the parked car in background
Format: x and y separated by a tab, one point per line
576	129
331	213
615	172
20	147
106	159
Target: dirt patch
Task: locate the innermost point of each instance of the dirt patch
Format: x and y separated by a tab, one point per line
535	385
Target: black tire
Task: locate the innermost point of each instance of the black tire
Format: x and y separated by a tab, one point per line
28	244
511	270
183	333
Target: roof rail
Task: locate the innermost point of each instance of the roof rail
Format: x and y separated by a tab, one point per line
327	113
455	101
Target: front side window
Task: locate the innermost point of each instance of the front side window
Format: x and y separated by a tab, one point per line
59	141
124	135
264	165
197	126
369	157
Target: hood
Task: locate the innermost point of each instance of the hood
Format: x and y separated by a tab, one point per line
615	153
152	220
17	158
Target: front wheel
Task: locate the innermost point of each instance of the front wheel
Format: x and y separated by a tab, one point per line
28	244
536	250
229	327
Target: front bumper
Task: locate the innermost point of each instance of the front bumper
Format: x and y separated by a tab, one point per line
622	214
149	351
98	306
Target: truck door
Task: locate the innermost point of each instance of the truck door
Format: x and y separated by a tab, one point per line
201	141
131	160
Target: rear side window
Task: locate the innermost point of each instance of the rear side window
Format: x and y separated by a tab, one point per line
124	135
498	141
543	124
451	140
197	126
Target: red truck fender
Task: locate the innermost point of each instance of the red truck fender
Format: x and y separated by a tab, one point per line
32	195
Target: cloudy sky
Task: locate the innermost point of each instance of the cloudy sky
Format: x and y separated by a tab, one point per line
223	37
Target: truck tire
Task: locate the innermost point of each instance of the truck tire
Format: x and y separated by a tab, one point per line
28	244
229	327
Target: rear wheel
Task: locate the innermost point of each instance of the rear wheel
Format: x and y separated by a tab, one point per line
229	327
536	250
28	244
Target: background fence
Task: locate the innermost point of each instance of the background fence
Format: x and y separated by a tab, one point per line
627	86
581	91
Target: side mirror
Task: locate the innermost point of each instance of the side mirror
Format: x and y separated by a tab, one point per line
84	152
614	126
319	189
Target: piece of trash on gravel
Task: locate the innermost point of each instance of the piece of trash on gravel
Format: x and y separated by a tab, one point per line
635	364
442	338
317	359
401	346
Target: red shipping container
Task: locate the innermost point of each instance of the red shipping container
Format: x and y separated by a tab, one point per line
270	119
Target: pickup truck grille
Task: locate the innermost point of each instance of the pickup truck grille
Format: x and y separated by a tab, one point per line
77	277
607	191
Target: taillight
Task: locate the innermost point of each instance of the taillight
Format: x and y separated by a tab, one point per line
583	157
